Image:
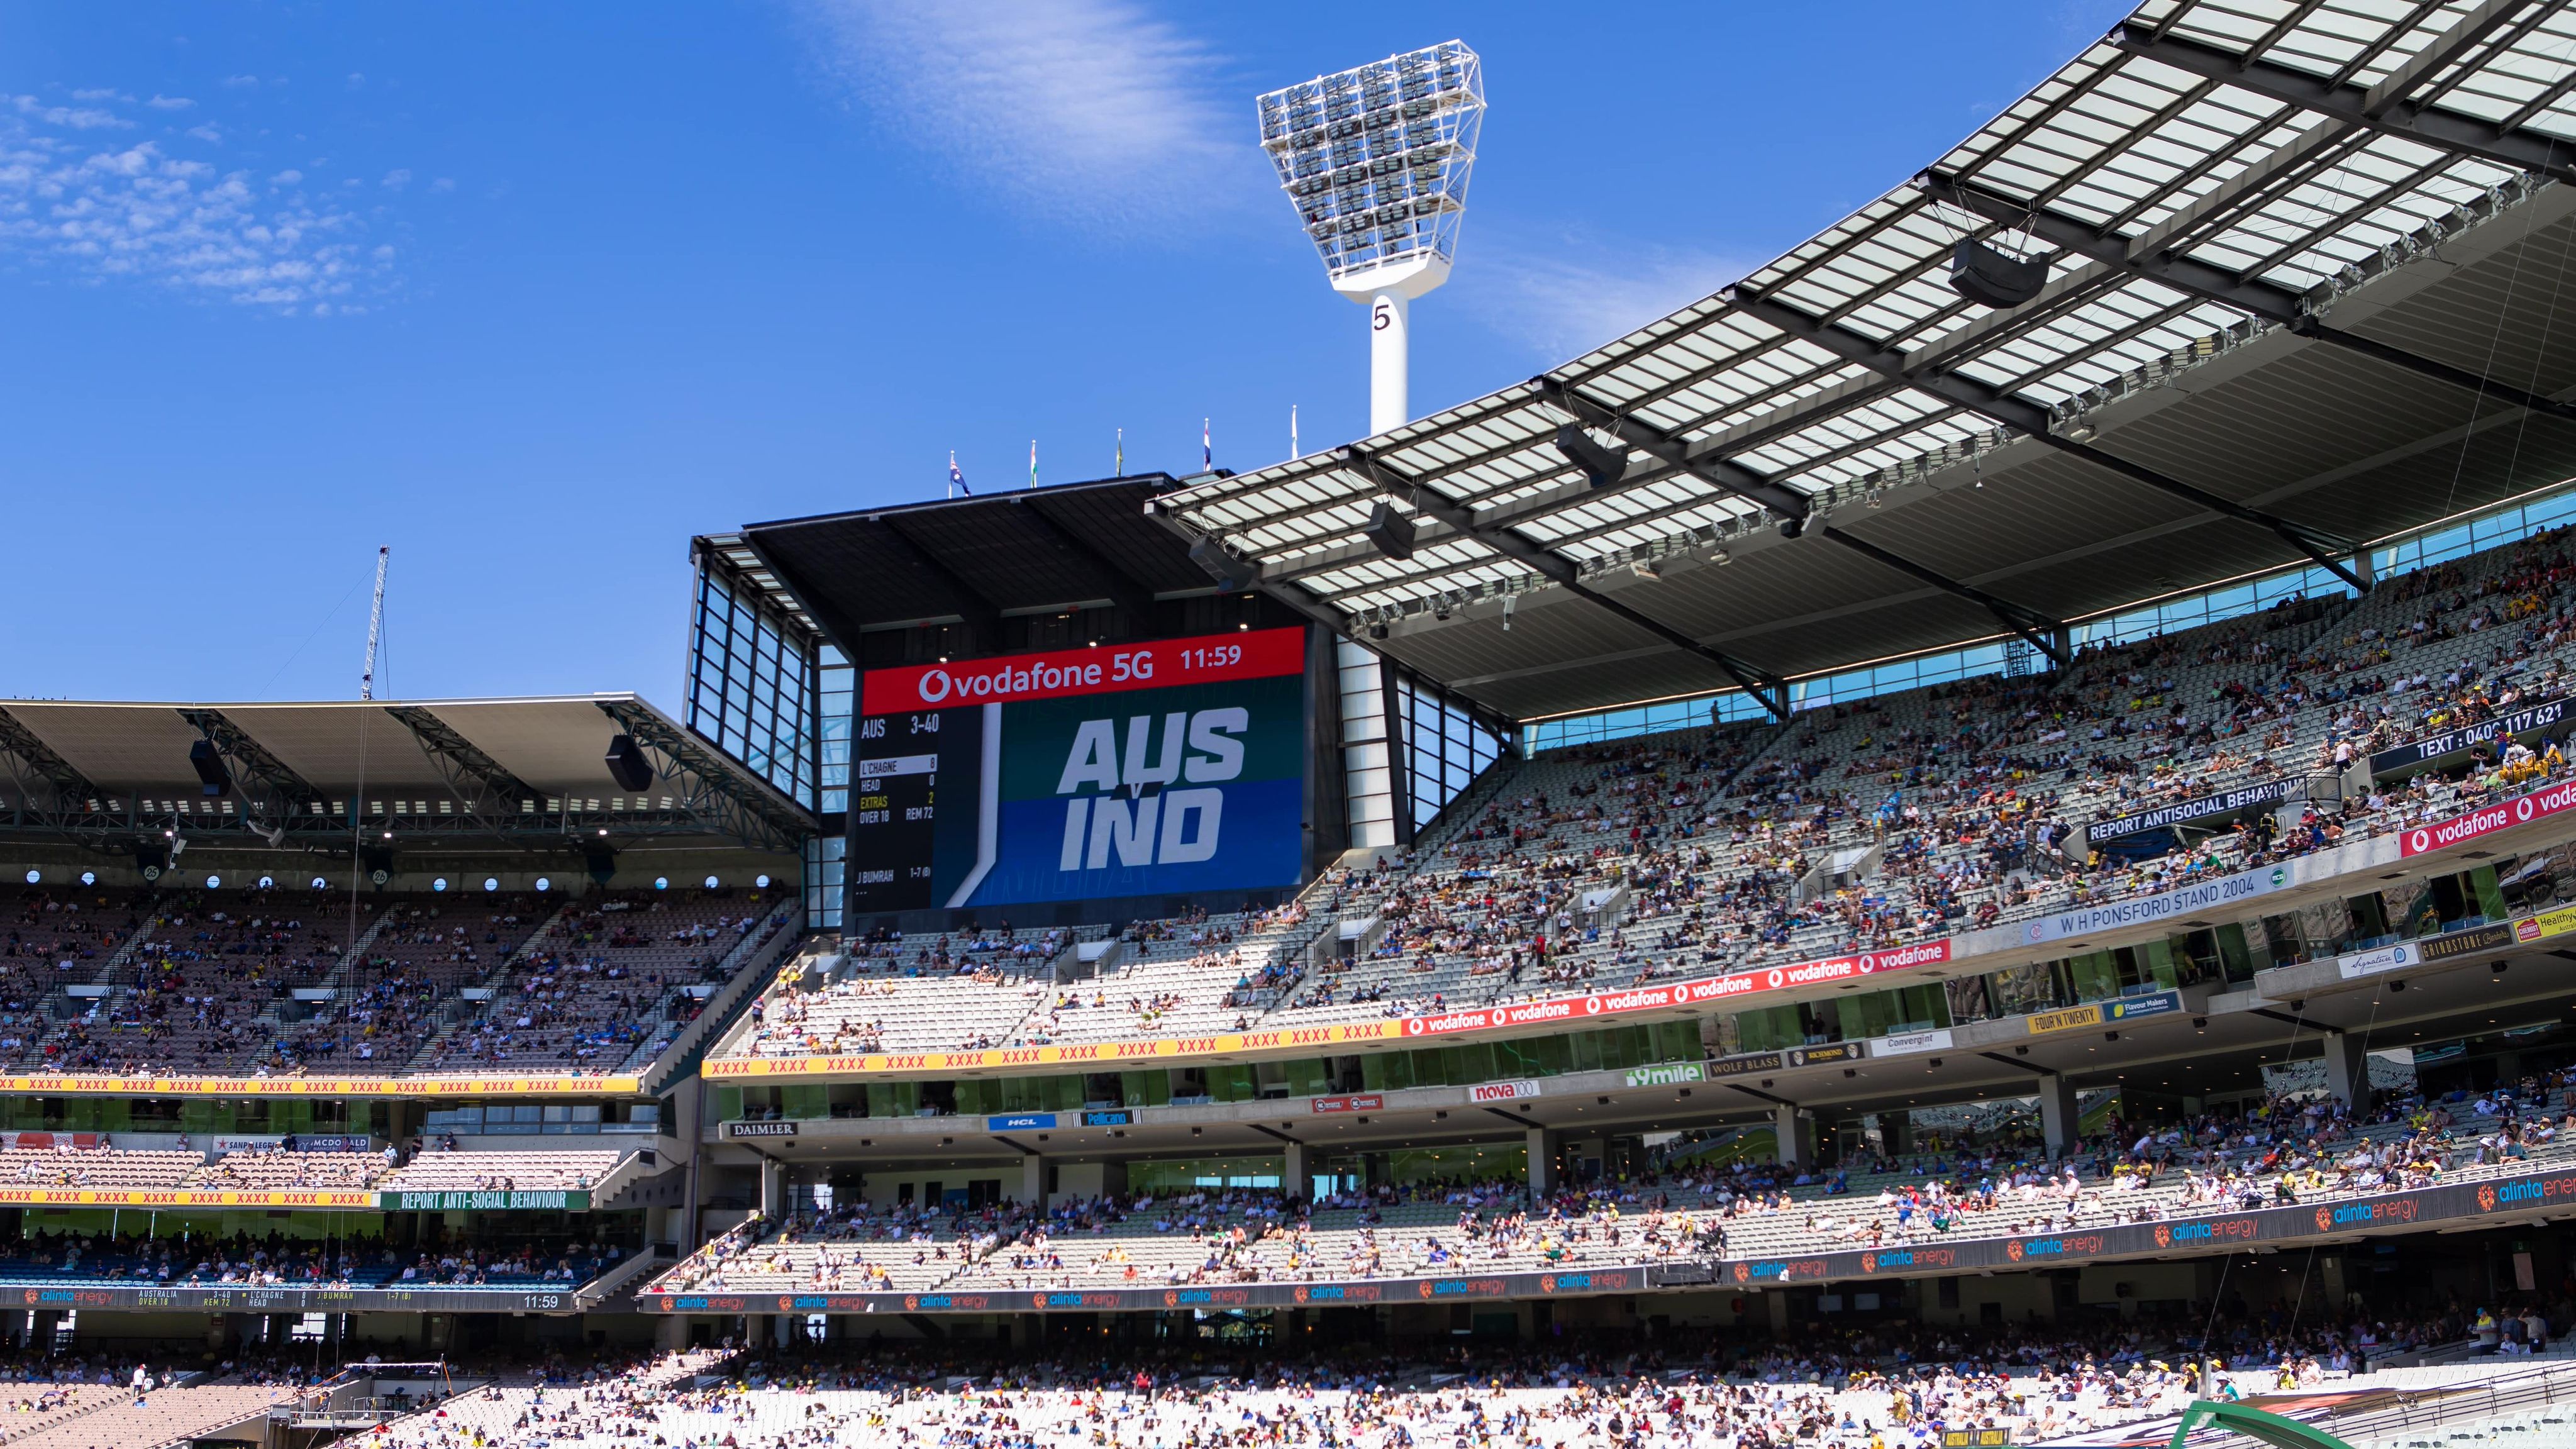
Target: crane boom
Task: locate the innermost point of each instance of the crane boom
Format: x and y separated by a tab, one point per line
375	627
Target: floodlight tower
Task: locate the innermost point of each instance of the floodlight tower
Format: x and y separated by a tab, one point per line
1375	160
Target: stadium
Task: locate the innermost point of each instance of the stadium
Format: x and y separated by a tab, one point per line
1969	840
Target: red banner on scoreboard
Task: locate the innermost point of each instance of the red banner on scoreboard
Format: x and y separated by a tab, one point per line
1100	669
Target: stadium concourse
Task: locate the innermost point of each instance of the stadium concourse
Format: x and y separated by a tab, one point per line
1971	836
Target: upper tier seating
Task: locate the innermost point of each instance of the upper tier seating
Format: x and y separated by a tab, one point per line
1861	825
602	985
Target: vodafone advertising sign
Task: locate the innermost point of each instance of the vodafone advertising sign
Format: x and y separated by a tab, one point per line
1572	1009
1066	673
2523	810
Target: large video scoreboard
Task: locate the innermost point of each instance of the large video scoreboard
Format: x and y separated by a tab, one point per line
1081	774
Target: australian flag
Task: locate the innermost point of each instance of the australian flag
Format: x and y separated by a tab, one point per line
956	479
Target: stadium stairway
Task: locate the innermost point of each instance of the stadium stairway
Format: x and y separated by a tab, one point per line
751	966
122	956
621	1280
458	1011
338	980
633	1168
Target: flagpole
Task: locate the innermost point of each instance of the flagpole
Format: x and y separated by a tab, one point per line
1293	450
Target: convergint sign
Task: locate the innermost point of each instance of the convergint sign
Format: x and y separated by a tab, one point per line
1667	1074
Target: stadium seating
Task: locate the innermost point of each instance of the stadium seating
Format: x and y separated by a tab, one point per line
602	984
1688	1210
119	1419
1892	1382
446	1171
1858	825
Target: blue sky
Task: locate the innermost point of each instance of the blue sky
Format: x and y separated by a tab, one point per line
534	293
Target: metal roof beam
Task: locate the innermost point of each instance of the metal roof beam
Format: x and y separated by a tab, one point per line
2049	636
1304	604
2450	46
2253	296
1762	684
759	815
2386	112
465	766
288	792
2030	419
1701	462
982	617
36	760
1125	590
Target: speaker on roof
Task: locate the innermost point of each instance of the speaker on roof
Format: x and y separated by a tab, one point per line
376	862
1985	276
1389	532
601	860
209	765
151	857
1601	466
627	765
1230	573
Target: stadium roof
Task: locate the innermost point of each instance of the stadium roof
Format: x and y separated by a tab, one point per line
972	560
2304	289
483	766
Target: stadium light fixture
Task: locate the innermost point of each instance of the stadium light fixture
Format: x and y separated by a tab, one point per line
1375	159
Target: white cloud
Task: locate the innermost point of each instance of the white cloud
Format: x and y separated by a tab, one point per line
357	79
102	212
169	103
242	82
207	133
1562	303
101	95
396	179
1088	111
77	118
443	184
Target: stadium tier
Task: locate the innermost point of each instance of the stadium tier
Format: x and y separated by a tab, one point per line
1897	858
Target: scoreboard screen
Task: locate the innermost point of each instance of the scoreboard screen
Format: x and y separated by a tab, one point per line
1081	774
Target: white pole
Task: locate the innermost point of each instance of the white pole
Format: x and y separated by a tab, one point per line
1390	323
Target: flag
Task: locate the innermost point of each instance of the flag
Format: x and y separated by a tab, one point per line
1122	454
1207	449
956	479
1033	462
1293	450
